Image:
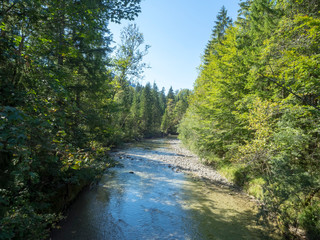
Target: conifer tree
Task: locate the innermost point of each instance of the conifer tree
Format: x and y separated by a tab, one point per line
156	110
170	95
167	119
162	100
218	31
146	110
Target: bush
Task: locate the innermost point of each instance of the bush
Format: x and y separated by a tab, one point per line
310	220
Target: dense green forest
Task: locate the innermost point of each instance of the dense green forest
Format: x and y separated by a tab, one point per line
67	97
254	113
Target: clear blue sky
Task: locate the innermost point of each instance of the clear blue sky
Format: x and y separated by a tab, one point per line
178	31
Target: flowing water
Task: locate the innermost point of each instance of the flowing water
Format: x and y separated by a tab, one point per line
145	199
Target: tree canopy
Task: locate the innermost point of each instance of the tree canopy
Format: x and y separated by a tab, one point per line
65	101
254	112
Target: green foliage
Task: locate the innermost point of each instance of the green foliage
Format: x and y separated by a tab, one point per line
146	110
167	119
128	63
148	114
218	32
56	105
22	222
310	220
254	111
64	102
142	111
176	107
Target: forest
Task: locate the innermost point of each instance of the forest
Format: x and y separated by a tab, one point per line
254	112
67	98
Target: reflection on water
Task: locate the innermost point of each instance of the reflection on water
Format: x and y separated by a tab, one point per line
147	200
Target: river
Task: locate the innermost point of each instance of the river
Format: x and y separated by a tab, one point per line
144	197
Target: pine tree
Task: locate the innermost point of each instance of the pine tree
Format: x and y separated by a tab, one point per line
146	110
167	118
162	100
156	110
218	31
170	95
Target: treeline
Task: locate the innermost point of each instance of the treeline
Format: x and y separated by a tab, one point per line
65	100
141	111
255	114
144	111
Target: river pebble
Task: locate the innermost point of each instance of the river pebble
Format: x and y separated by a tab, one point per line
185	161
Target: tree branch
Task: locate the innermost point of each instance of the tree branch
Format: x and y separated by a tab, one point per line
290	91
6	11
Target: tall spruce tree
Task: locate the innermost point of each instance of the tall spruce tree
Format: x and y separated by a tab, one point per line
162	100
170	94
146	110
156	110
218	31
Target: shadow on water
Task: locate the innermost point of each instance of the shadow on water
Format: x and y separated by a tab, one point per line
145	199
219	215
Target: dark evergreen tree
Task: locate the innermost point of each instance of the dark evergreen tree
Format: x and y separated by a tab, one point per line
162	100
170	95
146	110
218	31
156	110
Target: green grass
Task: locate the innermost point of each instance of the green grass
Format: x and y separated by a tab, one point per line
254	187
238	175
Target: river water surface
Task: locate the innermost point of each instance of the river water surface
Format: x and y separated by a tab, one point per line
145	198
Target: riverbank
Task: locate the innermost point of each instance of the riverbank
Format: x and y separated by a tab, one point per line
155	192
188	162
183	160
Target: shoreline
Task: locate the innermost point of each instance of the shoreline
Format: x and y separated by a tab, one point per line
185	161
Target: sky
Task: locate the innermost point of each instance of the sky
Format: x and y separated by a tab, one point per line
178	32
